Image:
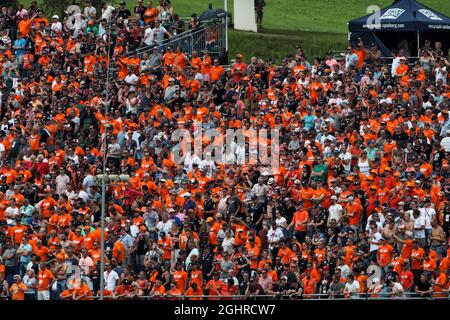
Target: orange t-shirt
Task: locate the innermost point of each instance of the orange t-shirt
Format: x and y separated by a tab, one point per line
18	291
44	279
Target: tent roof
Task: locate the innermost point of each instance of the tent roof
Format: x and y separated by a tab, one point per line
404	15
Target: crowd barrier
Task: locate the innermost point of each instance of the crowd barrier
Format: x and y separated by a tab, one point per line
308	297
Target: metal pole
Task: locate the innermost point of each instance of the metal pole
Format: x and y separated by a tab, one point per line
103	209
418	42
225	7
102	259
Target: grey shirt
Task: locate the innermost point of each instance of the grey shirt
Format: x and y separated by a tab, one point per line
154	60
11	262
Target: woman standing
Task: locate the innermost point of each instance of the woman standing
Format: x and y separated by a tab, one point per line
364	164
29	280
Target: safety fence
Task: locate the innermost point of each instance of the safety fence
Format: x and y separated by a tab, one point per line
295	296
209	36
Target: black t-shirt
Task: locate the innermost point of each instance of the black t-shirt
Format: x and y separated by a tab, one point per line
209	205
243	287
424	286
109	244
207	263
124	14
140	10
255	211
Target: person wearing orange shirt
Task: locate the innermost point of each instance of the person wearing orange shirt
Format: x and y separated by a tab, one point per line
40	250
180	278
166	245
119	251
24	26
354	211
45	280
216	71
384	254
440	283
417	255
174	293
285	253
402	69
194	291
196	276
300	221
18	288
428	264
150	14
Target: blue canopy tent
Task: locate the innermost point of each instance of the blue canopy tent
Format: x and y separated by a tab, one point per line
405	23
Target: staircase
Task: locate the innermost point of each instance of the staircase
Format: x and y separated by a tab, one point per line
209	36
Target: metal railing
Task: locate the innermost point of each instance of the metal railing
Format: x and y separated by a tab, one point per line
308	297
209	36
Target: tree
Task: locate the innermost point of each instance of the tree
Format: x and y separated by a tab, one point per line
51	7
9	3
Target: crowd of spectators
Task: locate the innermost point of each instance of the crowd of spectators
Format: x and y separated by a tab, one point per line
359	205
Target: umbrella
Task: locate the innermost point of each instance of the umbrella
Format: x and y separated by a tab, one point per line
212	14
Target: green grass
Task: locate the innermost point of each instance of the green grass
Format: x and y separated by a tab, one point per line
318	24
306	15
277	46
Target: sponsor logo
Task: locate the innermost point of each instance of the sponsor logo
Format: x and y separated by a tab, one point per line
392	13
430	15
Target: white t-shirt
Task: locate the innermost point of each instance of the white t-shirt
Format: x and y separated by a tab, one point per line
445	143
281	222
375	237
419	222
335	212
441	73
274	235
83	195
111	279
352	287
345	270
2	147
428	214
397	288
227	244
85	264
164	226
56	26
346	156
106	13
61	183
395	64
88	181
148	37
158	34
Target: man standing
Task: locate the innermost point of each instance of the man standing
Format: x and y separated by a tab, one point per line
45	282
259	10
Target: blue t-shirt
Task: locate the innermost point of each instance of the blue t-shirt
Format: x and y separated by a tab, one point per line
29	248
309	121
21	44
